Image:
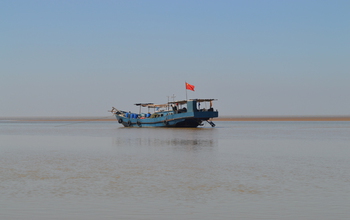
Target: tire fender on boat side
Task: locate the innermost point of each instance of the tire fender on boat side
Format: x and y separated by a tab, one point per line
120	120
129	123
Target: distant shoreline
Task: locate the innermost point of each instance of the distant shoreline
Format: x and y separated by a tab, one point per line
233	118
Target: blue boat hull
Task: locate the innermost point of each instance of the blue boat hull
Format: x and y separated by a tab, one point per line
187	119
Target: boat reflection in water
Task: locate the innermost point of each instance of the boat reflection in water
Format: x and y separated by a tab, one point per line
171	137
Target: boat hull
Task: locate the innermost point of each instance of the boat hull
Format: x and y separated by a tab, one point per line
187	119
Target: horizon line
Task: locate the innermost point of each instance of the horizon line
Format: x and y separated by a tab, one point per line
222	118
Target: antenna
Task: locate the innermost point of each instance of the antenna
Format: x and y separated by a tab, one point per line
173	97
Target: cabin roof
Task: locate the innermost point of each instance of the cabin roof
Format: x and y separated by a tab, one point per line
181	102
197	100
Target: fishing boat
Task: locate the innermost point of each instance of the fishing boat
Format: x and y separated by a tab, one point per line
185	113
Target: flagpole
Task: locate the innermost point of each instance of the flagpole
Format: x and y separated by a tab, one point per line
186	90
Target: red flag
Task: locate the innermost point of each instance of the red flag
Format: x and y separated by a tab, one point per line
189	87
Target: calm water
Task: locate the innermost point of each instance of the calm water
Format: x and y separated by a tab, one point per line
238	170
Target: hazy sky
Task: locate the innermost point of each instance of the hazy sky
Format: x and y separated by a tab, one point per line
263	57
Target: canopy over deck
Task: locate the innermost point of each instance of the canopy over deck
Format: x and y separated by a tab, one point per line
143	104
151	105
181	102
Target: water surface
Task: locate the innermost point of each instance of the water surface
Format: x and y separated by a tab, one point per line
238	170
